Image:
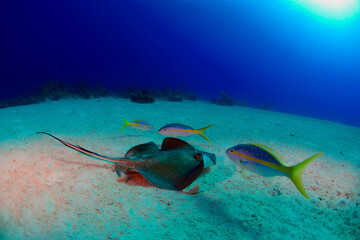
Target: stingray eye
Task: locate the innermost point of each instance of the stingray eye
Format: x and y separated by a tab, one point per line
198	156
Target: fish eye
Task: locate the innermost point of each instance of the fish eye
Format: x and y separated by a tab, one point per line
198	156
231	150
164	129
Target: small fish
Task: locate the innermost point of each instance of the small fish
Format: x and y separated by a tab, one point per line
264	161
137	124
181	130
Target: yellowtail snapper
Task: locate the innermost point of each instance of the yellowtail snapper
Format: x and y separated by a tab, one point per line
264	161
137	124
181	130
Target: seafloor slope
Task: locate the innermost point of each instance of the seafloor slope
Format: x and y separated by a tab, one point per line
48	191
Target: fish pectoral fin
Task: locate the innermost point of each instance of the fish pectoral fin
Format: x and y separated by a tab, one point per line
245	174
270	178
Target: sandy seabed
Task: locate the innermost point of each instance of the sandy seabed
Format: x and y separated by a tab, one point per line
48	191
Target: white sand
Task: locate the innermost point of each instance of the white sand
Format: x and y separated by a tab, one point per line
48	191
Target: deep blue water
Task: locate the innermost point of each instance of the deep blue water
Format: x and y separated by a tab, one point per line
270	52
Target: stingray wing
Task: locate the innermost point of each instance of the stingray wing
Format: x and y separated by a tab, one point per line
142	150
175	143
173	170
174	167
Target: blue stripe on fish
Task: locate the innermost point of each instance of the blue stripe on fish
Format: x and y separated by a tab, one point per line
257	152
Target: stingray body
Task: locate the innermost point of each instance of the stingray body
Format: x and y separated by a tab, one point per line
174	167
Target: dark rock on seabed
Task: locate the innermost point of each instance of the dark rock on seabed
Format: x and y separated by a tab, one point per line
142	96
224	100
56	90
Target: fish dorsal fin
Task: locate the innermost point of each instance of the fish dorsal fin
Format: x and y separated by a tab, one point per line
174	143
271	151
149	148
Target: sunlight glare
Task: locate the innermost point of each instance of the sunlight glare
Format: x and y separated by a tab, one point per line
331	9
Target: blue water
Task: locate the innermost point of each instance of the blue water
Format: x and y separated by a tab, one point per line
273	53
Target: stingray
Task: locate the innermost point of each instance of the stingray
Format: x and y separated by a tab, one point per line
174	167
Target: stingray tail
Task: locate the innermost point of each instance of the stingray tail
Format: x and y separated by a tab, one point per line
297	171
90	153
126	123
201	132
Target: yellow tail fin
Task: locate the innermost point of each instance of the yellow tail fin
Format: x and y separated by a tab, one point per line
202	130
126	123
297	171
